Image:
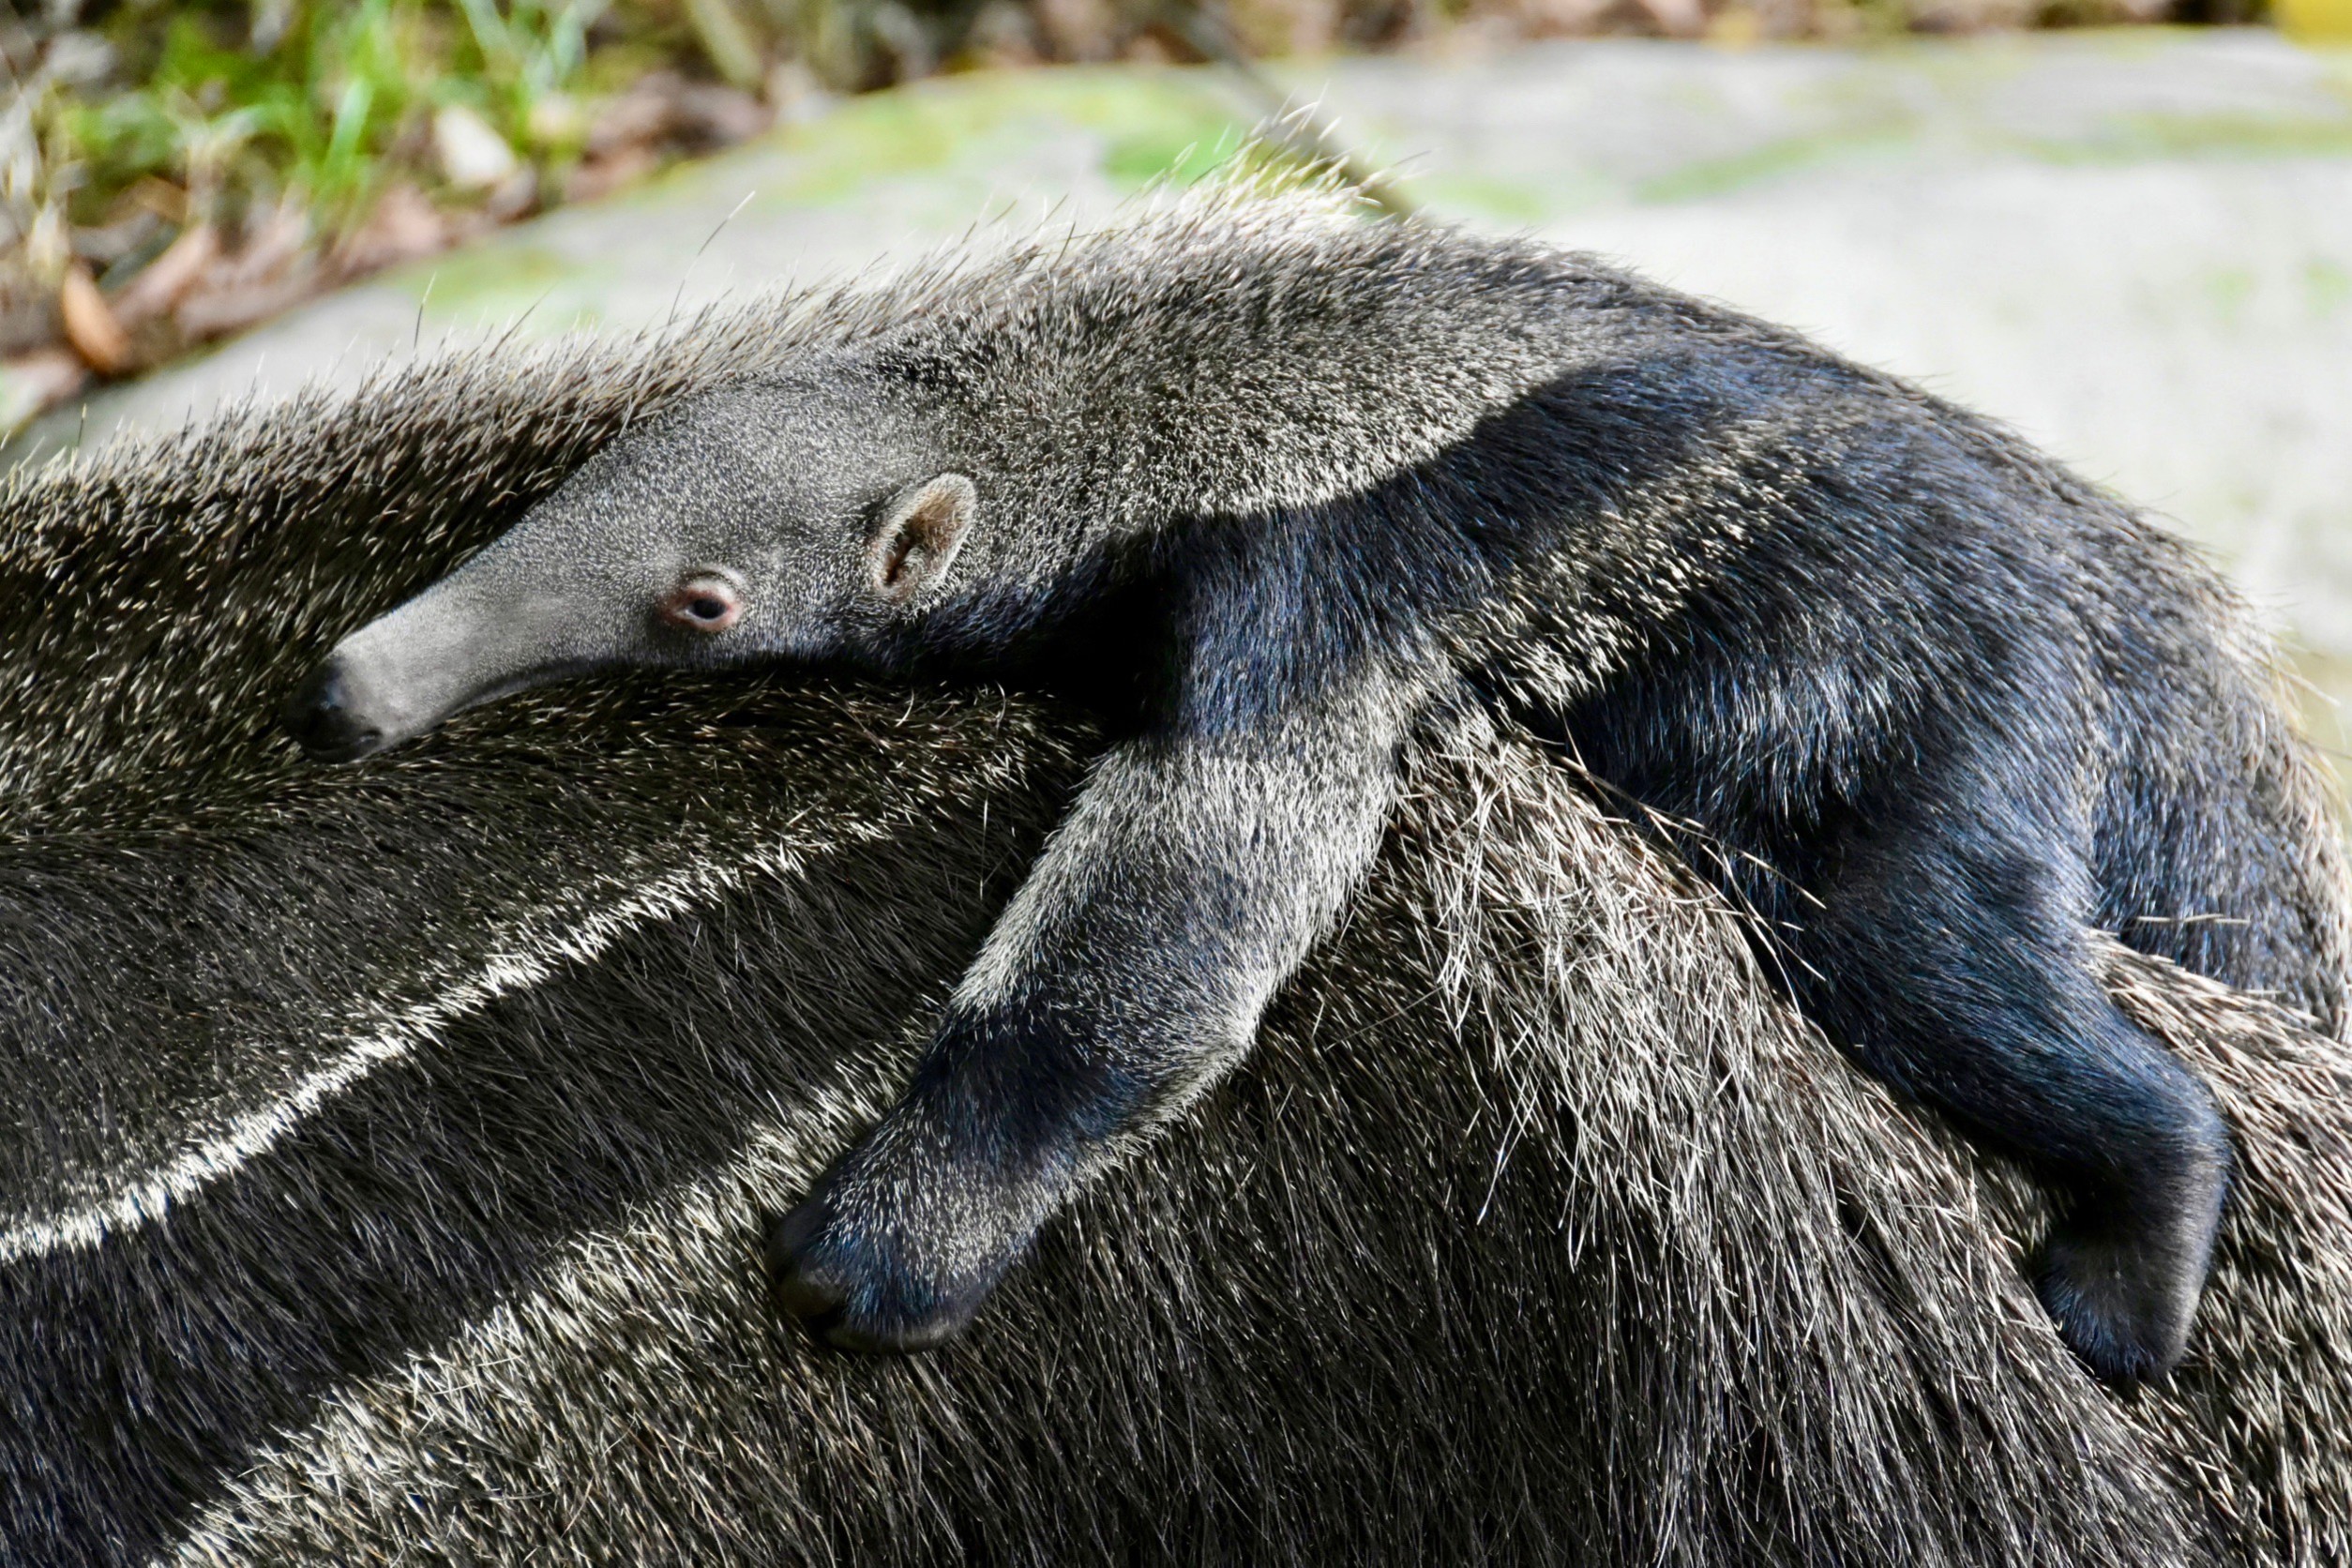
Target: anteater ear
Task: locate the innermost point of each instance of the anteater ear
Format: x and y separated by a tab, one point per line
918	541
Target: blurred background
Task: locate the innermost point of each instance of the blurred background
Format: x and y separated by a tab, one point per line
2123	226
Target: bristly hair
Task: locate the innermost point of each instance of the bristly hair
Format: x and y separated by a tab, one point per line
386	1145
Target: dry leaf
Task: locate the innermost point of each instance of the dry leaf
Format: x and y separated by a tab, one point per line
1676	19
90	323
403	225
163	280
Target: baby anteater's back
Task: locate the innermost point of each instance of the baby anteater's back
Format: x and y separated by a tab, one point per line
2218	844
1936	710
1866	602
1279	486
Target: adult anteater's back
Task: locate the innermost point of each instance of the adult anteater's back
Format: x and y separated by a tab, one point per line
1535	1218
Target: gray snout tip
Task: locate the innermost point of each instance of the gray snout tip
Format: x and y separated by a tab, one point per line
326	722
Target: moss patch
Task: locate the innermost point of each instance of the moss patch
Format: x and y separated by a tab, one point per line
1147	123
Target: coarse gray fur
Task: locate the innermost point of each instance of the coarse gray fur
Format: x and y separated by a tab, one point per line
1271	488
384	1145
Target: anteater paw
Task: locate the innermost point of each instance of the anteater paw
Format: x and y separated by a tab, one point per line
853	1284
2121	1303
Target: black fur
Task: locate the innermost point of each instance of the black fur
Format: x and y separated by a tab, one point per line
1535	1231
1930	708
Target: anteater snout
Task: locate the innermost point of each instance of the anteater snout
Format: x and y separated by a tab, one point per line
327	723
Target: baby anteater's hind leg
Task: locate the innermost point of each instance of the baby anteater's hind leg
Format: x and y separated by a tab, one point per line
2123	1271
1948	968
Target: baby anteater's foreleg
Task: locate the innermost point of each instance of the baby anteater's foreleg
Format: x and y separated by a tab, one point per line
1958	969
1126	974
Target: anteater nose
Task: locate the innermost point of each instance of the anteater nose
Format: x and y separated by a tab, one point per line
321	719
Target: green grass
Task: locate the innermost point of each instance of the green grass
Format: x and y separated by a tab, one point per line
324	109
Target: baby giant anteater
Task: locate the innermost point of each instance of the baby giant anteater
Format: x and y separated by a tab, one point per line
1266	486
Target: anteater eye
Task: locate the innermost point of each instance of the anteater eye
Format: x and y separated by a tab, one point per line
703	602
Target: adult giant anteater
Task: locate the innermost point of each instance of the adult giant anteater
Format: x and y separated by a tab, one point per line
383	1143
1268	487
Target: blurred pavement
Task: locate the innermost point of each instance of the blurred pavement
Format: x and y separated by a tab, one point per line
2135	246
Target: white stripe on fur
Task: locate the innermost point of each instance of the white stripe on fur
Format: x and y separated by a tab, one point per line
525	957
521	961
350	1458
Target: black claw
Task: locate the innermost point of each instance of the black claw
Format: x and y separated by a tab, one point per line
2125	1311
799	1292
812	1280
323	721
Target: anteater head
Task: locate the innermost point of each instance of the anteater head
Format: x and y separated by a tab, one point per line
787	520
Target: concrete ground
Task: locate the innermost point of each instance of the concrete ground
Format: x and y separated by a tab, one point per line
2135	246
